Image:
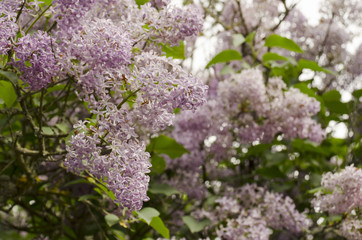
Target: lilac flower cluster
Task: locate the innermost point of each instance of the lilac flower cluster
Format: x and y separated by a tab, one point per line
351	228
100	46
164	86
123	169
249	225
245	110
126	89
177	24
342	191
251	212
8	27
37	61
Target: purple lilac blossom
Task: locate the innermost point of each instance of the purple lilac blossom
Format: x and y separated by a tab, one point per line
342	191
37	60
273	209
125	89
176	24
8	27
249	225
351	228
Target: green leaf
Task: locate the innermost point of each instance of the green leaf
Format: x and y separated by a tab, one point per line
337	107
50	130
275	158
333	103
86	197
77	181
11	76
57	87
166	145
64	127
141	2
160	227
158	163
315	190
238	39
225	56
331	96
7	93
147	214
273	57
176	52
270	172
250	37
275	40
47	2
119	234
357	94
111	219
313	66
163	189
193	225
69	231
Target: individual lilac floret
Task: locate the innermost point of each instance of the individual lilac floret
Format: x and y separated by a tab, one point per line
37	62
342	191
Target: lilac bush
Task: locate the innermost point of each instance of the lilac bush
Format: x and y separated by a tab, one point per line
108	131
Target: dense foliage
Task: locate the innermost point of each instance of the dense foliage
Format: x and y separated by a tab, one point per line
106	134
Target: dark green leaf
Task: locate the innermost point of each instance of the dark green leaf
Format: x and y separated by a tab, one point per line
225	56
158	163
147	214
194	225
333	103
271	172
176	52
163	189
337	107
7	93
166	145
331	96
69	231
313	66
275	158
238	39
275	40
160	227
111	219
357	94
